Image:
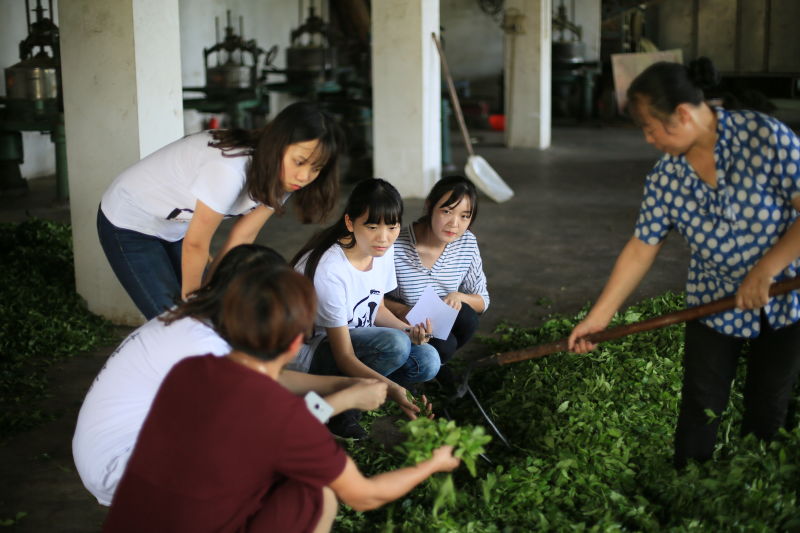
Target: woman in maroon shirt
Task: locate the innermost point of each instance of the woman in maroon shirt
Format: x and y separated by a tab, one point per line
226	448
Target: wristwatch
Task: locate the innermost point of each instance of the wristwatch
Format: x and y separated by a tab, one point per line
318	407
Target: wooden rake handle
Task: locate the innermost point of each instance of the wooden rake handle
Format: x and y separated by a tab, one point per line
453	96
668	319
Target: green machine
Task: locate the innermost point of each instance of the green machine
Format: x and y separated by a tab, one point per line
33	103
329	63
231	85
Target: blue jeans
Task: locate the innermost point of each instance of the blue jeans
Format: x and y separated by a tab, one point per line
387	351
148	268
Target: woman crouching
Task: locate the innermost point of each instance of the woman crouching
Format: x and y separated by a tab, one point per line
227	448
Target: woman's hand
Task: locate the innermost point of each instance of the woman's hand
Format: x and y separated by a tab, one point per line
367	394
577	343
401	396
454	300
421	334
443	459
753	293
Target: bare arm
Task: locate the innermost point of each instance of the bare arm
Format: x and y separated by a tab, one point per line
475	301
398	309
388	319
245	230
197	241
363	494
632	264
196	246
419	334
341	393
754	290
300	383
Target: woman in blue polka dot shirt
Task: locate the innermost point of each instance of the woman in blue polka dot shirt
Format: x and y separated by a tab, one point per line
729	183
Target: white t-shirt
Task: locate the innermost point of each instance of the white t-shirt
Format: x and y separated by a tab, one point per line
346	296
120	397
157	195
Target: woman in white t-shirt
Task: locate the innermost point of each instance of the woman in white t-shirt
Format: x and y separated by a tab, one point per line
120	396
352	265
157	219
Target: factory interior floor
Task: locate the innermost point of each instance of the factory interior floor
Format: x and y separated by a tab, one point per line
548	249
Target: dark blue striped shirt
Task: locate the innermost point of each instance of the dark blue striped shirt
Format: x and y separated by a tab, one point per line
458	269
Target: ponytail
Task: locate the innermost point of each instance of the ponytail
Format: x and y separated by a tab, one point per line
375	196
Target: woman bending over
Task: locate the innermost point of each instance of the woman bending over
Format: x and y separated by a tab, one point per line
157	219
729	183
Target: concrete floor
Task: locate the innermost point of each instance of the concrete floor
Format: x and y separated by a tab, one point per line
556	240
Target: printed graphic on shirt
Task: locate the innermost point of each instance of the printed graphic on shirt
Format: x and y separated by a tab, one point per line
365	309
178	216
185	215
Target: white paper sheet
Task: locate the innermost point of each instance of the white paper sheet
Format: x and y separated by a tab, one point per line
431	306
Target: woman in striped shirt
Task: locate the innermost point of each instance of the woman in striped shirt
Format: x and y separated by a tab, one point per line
439	250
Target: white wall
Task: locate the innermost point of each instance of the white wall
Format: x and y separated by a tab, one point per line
39	151
473	41
587	16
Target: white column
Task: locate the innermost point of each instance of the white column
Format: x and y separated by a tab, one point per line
406	94
527	74
122	100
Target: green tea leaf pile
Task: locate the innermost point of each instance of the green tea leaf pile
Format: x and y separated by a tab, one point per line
592	439
42	319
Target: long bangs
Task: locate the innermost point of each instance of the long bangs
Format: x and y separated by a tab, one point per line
459	188
384	205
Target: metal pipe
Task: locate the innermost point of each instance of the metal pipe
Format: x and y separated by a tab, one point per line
241	37
27	17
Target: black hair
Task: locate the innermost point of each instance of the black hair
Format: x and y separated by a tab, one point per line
264	310
458	187
375	196
664	86
205	303
298	122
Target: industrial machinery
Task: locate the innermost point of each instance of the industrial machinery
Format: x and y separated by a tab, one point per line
573	76
33	101
329	62
232	85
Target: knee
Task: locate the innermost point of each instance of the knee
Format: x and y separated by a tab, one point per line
465	325
467	316
429	362
393	343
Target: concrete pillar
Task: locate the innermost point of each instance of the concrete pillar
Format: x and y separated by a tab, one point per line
406	93
122	100
527	74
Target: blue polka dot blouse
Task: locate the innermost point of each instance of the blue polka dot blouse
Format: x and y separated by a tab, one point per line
730	227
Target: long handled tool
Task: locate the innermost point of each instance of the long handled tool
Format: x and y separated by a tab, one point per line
476	169
692	313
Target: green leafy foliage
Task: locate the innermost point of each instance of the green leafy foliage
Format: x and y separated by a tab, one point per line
592	440
426	435
42	319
